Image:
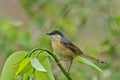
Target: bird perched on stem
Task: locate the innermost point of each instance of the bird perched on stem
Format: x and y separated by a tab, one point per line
66	49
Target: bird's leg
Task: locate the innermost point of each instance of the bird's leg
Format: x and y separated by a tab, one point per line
71	61
70	66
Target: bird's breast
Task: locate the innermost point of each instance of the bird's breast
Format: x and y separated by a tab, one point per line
61	50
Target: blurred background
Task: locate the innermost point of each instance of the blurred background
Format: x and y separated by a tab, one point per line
93	25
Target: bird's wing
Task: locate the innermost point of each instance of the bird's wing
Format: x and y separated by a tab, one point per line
71	46
76	50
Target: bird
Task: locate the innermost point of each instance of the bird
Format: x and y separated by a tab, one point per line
67	50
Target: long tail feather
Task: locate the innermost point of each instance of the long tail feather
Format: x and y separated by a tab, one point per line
93	58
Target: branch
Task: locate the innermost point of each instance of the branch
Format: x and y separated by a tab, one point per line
54	57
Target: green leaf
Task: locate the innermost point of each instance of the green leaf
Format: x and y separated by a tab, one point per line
24	67
80	59
44	75
8	73
17	63
37	65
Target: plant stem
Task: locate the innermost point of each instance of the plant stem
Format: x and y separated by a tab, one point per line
54	57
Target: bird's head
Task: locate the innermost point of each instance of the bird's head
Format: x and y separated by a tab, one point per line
55	34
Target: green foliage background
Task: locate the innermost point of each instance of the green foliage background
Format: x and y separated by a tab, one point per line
94	25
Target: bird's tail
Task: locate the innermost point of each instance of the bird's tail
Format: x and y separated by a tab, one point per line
93	58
